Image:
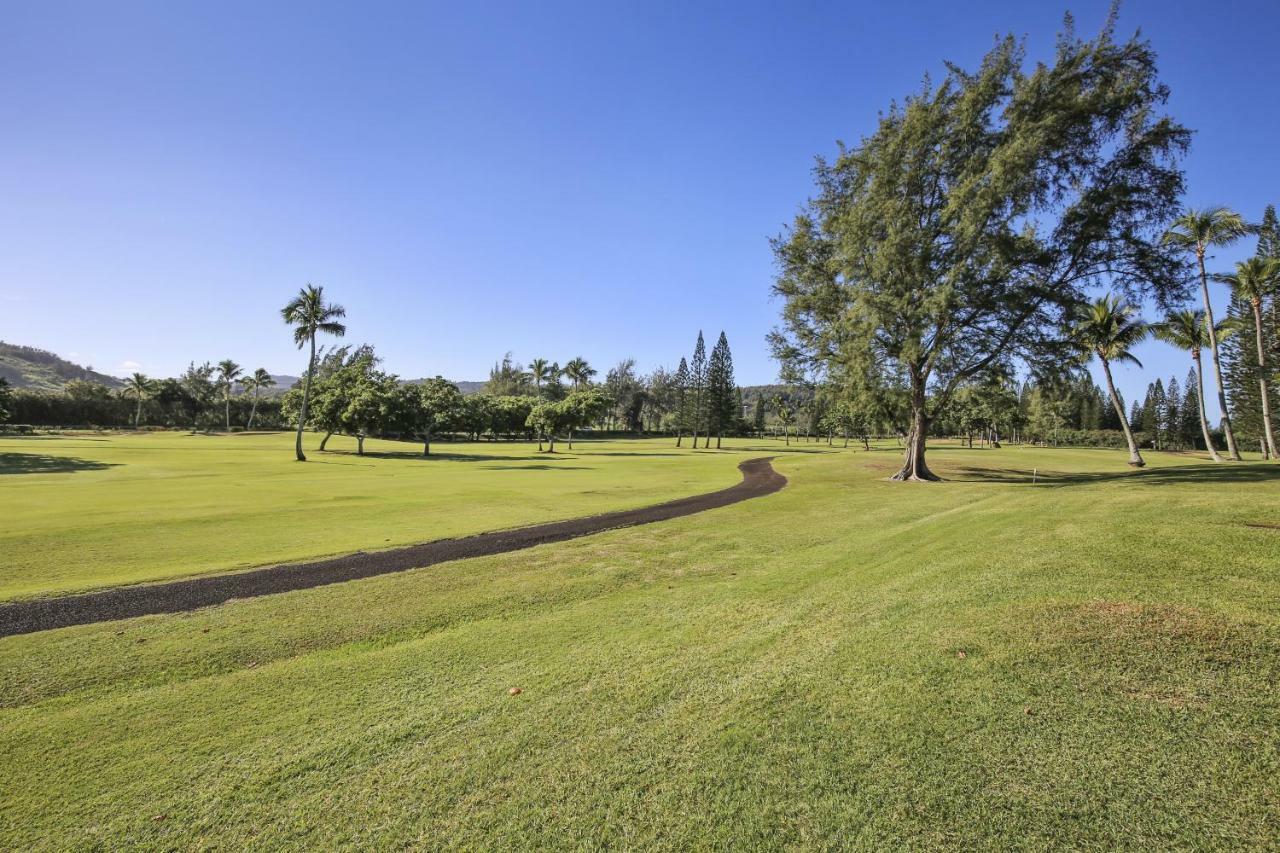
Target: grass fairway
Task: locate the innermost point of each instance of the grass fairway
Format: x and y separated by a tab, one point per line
87	511
1090	661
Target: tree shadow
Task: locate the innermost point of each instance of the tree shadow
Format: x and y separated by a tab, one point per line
1173	475
40	463
542	467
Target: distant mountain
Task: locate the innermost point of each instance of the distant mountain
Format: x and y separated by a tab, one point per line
466	388
40	370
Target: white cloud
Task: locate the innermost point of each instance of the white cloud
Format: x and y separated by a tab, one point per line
127	367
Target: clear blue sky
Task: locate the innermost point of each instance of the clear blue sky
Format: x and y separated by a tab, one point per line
597	179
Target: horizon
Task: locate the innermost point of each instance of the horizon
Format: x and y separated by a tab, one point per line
472	182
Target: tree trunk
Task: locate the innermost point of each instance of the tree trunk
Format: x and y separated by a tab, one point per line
1232	450
914	467
1135	458
551	442
253	411
360	443
306	394
571	438
137	415
866	442
426	443
227	400
679	436
718	436
1204	420
786	436
1270	449
328	435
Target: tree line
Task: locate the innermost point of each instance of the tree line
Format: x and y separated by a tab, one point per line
205	396
346	391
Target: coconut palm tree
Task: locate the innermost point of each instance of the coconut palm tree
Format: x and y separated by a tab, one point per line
1195	231
140	387
309	315
539	372
1253	281
228	373
255	382
1109	328
1186	331
579	371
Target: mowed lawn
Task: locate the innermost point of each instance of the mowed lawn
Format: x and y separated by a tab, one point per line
1089	661
83	511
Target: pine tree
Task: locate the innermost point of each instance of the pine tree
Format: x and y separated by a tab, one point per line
1135	415
1172	420
681	382
697	388
721	398
1188	413
1239	367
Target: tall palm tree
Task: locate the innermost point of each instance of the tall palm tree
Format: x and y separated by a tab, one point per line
255	382
579	371
539	372
1195	231
1186	330
1109	328
309	315
1253	281
228	373
140	387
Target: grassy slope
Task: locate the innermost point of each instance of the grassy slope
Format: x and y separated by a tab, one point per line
126	508
781	672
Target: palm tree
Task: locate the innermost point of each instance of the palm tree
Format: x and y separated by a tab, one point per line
228	373
1109	328
1253	281
539	372
579	371
1186	331
1195	231
140	387
309	315
259	379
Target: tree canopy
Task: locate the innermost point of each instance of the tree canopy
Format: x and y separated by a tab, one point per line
966	228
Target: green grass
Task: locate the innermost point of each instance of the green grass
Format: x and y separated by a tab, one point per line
86	511
785	672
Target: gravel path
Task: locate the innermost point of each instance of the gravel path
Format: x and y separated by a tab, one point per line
25	617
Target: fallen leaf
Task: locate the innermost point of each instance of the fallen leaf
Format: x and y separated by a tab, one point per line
515	691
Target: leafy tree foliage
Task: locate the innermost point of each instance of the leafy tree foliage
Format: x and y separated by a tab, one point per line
963	232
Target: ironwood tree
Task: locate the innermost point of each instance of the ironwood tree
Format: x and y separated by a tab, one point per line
968	226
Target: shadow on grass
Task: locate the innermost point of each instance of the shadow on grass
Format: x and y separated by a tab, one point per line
1176	475
39	463
539	467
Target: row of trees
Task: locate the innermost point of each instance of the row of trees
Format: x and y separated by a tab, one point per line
965	237
345	391
204	396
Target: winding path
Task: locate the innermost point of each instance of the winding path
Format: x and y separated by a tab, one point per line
25	617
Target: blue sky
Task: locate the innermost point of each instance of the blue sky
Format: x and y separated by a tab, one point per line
595	179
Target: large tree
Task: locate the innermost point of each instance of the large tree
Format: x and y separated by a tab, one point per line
255	382
141	388
1186	330
228	374
697	394
309	315
964	229
722	410
434	404
1254	281
1197	231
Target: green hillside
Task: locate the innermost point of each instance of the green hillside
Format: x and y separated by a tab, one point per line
29	367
